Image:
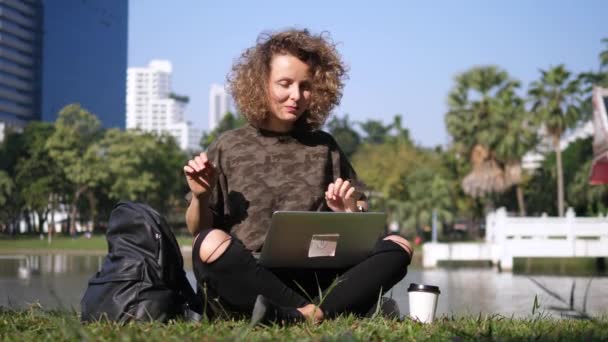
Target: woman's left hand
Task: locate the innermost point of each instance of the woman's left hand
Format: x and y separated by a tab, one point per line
340	196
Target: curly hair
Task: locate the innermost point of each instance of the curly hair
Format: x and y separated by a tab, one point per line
248	79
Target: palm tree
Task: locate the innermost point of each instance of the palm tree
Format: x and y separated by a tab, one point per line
375	131
592	79
473	121
518	136
555	106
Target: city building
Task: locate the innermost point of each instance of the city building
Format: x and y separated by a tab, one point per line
153	107
85	57
220	103
57	52
20	61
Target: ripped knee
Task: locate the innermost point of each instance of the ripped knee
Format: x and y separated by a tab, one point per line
401	242
214	245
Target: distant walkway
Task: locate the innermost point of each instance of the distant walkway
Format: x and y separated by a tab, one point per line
186	250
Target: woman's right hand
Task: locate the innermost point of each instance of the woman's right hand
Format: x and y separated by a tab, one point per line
201	175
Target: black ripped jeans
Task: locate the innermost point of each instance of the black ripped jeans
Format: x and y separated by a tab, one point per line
230	284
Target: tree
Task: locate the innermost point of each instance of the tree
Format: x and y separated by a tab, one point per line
587	199
555	106
38	177
427	192
11	149
384	167
342	130
6	190
476	111
592	79
375	131
518	136
143	167
229	121
401	133
72	146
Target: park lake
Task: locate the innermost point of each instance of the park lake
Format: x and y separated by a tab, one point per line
57	280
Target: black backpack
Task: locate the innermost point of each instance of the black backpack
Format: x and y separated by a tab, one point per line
143	276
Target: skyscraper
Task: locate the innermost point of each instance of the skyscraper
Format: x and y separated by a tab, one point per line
57	52
85	58
153	107
20	61
219	104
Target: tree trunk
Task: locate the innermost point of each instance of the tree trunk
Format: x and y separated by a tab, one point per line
93	207
52	224
560	175
520	200
74	208
42	216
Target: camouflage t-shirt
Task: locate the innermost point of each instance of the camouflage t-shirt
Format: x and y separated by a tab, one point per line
261	172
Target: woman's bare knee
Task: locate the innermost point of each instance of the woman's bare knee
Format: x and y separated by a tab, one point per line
402	242
214	245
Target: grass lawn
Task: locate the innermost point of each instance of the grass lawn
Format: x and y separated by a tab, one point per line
38	325
33	243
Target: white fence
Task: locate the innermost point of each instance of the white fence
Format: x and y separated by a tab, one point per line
509	237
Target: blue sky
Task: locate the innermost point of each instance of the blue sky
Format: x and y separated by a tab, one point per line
403	55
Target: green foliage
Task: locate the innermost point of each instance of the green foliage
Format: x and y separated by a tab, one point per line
38	176
6	187
491	127
229	121
142	167
475	105
72	146
427	192
586	199
127	155
11	149
411	181
375	131
555	100
343	131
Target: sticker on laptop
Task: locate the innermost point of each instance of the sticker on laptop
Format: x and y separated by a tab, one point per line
323	245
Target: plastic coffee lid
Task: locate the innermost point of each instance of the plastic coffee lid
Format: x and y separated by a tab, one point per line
423	288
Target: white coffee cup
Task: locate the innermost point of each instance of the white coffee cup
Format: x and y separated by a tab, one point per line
423	302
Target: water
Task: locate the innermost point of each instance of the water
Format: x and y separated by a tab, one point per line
59	280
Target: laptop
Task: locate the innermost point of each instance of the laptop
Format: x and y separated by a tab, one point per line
310	239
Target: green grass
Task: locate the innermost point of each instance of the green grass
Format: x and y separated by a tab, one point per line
60	243
37	325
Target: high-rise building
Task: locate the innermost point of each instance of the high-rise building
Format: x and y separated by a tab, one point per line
153	107
20	61
85	58
220	103
57	52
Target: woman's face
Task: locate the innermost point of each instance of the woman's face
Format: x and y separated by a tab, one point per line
289	92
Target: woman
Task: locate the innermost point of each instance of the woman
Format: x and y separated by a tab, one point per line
285	86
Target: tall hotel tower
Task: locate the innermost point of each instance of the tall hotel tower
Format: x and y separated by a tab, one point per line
153	107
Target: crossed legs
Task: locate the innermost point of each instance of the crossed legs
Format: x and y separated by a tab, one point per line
237	278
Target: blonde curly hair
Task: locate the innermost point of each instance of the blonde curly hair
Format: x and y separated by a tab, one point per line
248	79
